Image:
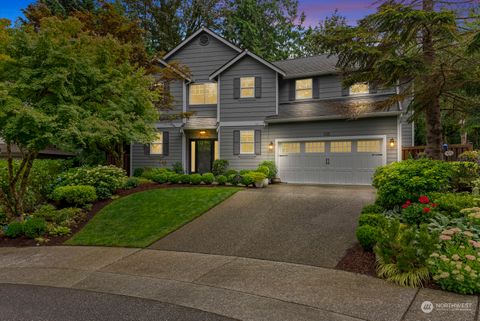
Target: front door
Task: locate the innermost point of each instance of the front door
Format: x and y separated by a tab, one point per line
202	154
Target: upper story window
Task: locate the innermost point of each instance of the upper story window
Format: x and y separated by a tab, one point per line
247	142
360	88
247	87
156	147
303	88
203	94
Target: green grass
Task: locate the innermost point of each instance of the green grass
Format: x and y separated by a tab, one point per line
142	218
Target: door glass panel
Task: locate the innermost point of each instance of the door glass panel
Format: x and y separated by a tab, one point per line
192	157
368	146
204	156
290	148
315	147
217	151
341	147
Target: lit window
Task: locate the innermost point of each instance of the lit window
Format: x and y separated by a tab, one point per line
290	148
156	147
315	147
368	146
359	88
203	94
216	150
303	88
247	142
247	87
341	147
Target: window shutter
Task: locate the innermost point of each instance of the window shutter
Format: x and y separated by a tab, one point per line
236	88
291	91
316	88
372	87
258	142
258	87
236	142
146	149
345	91
166	143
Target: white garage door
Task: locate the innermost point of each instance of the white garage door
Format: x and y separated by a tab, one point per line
343	161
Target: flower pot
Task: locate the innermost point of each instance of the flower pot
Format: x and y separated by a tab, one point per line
259	184
265	182
276	180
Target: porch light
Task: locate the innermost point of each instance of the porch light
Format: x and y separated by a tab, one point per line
270	146
392	142
202	132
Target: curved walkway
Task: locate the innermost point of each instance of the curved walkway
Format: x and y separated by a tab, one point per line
238	288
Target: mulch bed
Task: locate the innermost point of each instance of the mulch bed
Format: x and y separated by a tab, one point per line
97	206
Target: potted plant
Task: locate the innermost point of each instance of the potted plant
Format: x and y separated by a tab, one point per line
266	171
258	178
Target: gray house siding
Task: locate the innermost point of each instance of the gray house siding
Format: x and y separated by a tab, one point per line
140	159
247	109
407	132
334	128
176	90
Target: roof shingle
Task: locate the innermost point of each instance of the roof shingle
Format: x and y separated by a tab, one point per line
308	66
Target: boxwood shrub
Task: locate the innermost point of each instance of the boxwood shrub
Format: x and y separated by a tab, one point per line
367	236
195	179
34	227
14	230
75	195
208	178
221	180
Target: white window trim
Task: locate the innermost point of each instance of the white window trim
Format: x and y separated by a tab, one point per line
157	142
201	83
253	151
297	90
253	87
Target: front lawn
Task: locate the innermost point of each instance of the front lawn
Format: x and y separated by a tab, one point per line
142	218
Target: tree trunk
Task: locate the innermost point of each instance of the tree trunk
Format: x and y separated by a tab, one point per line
432	111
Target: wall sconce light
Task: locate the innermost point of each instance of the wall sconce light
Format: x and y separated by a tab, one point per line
270	146
202	132
392	142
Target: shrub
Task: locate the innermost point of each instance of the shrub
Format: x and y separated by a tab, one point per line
177	168
244	171
105	179
272	168
69	216
75	195
174	178
221	180
161	178
256	177
455	266
151	172
137	172
402	253
195	179
235	179
34	227
219	167
470	156
208	178
47	212
367	236
374	220
464	175
450	204
372	208
131	182
14	230
409	179
418	213
246	178
231	172
59	231
185	178
264	170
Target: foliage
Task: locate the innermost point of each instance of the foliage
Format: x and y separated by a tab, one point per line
402	253
138	172
470	156
185	178
34	227
246	179
272	168
235	179
221	179
14	230
374	220
231	172
131	182
105	179
177	167
174	178
264	170
161	178
78	195
367	236
414	213
59	231
151	172
450	204
219	167
208	178
409	179
64	217
455	265
464	174
195	179
255	177
372	208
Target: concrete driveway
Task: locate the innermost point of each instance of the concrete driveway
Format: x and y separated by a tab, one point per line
303	224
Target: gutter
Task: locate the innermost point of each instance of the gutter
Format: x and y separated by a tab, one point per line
331	117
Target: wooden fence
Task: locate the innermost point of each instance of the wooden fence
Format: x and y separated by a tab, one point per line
457	149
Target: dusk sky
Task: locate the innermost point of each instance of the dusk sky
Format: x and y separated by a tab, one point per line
314	9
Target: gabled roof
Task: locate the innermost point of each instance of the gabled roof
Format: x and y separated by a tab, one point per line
178	72
196	33
240	56
308	66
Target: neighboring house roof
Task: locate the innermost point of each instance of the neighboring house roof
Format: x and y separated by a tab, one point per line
346	108
200	123
49	151
240	56
196	33
178	72
308	66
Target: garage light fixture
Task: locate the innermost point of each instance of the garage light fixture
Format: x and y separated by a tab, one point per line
270	146
392	142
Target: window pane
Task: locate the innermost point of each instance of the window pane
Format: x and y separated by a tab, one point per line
247	142
304	94
315	147
216	150
192	156
341	147
246	92
156	147
368	146
303	84
359	88
247	148
290	148
197	95
247	82
211	93
247	136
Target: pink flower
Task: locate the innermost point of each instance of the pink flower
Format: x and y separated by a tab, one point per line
423	200
474	243
445	237
470	257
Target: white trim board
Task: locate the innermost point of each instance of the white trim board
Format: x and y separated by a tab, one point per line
241	123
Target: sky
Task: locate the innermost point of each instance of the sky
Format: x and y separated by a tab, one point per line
315	10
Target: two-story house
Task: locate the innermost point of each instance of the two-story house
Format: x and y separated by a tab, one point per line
294	112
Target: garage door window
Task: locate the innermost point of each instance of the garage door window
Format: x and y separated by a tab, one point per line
315	147
341	147
290	148
368	146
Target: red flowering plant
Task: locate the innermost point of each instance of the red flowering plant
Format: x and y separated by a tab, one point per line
418	212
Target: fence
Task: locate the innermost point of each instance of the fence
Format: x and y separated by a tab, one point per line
457	149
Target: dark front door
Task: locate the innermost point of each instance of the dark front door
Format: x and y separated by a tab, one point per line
204	156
